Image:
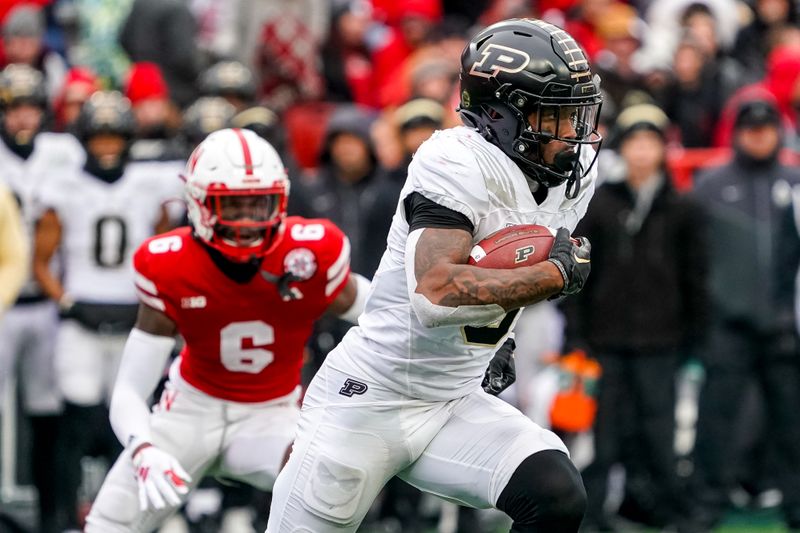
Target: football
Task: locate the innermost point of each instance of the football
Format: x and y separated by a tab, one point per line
513	247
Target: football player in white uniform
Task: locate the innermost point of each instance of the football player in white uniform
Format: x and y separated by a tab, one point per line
401	394
95	217
29	159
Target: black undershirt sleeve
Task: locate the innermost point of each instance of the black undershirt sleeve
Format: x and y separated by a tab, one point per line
424	213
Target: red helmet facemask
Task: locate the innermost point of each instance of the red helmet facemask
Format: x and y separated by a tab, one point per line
248	223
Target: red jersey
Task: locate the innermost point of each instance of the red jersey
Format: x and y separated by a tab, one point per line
244	341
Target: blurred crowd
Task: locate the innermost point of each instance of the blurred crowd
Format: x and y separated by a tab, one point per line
683	356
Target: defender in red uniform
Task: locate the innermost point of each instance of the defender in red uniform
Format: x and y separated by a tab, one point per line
243	287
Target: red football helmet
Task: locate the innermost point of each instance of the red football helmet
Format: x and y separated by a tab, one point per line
236	191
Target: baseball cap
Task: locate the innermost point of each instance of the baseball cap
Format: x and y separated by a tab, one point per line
756	113
641	117
420	111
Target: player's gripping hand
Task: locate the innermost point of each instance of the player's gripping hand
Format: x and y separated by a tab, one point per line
572	260
162	481
501	372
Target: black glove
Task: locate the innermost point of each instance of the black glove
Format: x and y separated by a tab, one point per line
501	372
572	260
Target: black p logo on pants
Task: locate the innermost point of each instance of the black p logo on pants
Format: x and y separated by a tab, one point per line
352	387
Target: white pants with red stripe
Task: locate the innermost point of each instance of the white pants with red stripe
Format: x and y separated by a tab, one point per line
208	436
354	435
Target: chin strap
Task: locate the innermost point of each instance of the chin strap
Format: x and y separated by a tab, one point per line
573	188
282	283
569	161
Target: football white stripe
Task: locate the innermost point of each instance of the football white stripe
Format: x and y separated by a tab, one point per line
156	303
343	260
335	282
144	283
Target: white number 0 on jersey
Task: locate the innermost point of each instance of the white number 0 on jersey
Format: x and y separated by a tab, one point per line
250	360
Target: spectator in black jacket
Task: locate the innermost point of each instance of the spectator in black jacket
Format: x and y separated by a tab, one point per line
348	183
753	335
642	309
754	41
353	191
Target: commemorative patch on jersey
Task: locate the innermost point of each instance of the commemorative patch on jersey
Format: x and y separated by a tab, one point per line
301	263
193	302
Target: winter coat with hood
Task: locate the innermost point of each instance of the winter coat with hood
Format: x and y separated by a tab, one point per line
363	210
746	201
782	74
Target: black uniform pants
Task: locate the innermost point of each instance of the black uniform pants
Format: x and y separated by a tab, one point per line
736	357
635	425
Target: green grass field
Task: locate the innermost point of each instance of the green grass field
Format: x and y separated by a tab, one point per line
749	521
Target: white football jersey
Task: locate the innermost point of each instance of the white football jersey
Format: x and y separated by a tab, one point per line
102	225
171	188
460	170
53	155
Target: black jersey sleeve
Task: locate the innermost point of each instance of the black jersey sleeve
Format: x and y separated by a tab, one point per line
424	213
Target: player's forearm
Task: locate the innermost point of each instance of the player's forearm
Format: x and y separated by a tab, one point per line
129	416
455	285
47	281
143	360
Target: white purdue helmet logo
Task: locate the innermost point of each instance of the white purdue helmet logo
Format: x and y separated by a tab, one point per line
497	58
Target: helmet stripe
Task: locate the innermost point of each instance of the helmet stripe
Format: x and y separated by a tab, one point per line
576	59
194	157
248	159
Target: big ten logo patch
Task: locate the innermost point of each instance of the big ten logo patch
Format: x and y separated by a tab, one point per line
193	302
352	387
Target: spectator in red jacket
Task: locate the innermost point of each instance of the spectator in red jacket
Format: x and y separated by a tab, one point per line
79	84
407	34
781	82
345	57
582	24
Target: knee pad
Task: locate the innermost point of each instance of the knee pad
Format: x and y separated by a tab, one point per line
334	490
544	494
338	489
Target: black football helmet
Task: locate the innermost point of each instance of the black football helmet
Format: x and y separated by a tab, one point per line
105	112
519	67
265	123
22	84
206	115
228	78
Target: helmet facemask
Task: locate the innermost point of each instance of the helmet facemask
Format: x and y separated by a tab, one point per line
544	135
245	224
528	88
